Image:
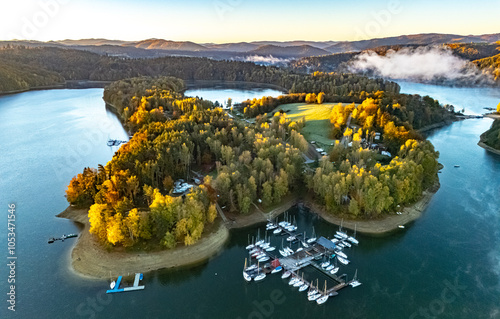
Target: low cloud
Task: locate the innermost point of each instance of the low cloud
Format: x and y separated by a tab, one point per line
421	64
266	60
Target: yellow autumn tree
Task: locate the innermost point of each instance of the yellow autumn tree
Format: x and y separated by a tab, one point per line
98	215
114	226
321	98
212	213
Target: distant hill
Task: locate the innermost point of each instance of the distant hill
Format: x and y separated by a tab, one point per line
287	52
159	44
421	39
235	47
470	47
317	44
90	42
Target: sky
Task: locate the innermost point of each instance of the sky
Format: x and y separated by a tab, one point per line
222	21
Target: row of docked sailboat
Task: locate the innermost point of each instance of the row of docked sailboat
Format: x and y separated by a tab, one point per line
253	272
344	238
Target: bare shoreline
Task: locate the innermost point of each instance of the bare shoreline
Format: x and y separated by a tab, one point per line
488	148
91	260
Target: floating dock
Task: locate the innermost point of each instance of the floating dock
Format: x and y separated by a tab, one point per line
62	238
138	277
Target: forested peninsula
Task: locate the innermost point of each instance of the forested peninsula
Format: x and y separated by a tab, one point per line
130	198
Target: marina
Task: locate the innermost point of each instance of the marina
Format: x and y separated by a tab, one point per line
316	253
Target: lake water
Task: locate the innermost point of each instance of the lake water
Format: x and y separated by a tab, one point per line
444	265
237	92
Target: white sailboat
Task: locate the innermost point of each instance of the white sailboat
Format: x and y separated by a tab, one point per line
341	254
343	260
313	238
340	232
312	290
246	276
259	276
313	294
299	282
286	274
324	298
251	245
353	239
325	263
303	287
355	283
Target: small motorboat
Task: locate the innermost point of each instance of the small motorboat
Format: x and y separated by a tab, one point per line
276	270
247	276
322	299
341	254
263	259
303	287
286	274
343	260
353	240
112	285
260	277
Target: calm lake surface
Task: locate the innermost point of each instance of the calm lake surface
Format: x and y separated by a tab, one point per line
444	265
237	92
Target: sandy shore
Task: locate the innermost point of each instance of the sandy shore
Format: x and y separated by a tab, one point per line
90	259
387	223
488	148
258	215
494	116
375	227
